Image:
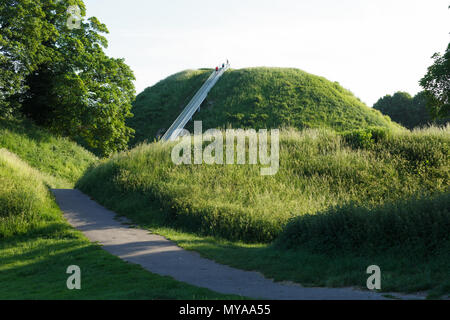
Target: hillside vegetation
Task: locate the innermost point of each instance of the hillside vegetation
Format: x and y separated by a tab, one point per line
158	106
60	160
339	203
319	169
37	245
36	242
254	98
418	224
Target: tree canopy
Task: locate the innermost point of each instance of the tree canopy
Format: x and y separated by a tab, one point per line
59	75
410	112
437	85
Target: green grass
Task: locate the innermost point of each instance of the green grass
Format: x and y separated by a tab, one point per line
61	161
232	214
157	107
417	225
254	98
318	170
37	245
403	273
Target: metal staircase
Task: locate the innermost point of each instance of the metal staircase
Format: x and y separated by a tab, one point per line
173	132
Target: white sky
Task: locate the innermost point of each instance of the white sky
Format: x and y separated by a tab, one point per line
372	47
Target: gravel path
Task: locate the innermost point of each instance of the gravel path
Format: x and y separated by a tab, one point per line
163	257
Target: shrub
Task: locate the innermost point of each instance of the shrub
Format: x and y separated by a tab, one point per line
55	156
365	138
418	223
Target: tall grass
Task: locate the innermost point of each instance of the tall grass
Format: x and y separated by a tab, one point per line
157	107
419	225
37	245
319	169
62	160
23	197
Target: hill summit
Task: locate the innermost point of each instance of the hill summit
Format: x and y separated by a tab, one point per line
253	98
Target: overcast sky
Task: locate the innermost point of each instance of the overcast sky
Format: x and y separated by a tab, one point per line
371	47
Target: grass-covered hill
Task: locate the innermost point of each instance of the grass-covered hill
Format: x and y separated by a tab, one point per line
339	203
256	98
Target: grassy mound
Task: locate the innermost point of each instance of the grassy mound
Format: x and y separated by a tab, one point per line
37	245
419	224
23	197
254	98
319	169
60	160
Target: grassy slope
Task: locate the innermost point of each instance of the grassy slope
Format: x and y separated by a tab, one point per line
37	245
318	170
256	98
158	106
61	161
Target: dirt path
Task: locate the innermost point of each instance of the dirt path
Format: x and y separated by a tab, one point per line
161	256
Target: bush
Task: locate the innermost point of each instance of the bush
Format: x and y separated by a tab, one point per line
365	138
416	224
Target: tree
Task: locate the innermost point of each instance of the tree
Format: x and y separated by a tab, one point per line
22	34
77	91
437	85
395	106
